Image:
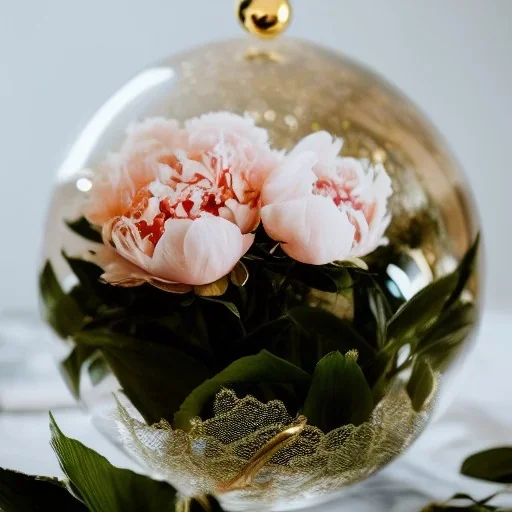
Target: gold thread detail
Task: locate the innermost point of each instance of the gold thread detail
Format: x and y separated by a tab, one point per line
246	477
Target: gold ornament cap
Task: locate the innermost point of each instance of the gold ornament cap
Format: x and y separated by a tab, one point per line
264	18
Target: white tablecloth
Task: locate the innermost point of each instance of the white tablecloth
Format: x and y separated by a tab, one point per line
479	417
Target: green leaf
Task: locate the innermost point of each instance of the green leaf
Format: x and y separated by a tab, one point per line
339	394
267	331
72	365
474	505
61	311
332	279
207	504
421	384
463	496
422	310
25	493
467	497
225	303
441	341
88	275
381	310
85	229
453	508
104	337
261	368
465	271
91	293
321	278
105	488
98	369
156	378
320	323
282	338
494	465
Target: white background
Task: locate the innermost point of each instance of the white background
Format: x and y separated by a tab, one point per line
60	59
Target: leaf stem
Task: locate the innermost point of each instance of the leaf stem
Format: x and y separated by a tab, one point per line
406	364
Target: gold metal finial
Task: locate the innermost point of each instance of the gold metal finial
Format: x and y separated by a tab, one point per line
264	18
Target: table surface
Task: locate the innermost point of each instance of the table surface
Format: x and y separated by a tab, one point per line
479	417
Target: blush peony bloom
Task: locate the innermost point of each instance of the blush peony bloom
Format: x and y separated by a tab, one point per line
177	207
322	207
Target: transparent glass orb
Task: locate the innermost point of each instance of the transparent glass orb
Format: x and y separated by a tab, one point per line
291	88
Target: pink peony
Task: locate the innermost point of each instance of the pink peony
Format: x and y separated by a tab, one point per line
322	207
177	207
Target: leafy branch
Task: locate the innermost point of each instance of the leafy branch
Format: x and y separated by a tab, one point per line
172	353
493	465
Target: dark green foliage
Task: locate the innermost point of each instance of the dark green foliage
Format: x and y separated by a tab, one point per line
261	368
339	393
172	353
93	484
493	465
105	488
25	493
82	228
421	384
60	309
72	365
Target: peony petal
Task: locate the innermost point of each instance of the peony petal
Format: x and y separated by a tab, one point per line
247	241
158	132
294	178
168	260
324	146
353	174
116	182
264	163
126	239
236	143
246	217
192	169
311	230
117	270
206	131
376	195
112	191
198	252
120	272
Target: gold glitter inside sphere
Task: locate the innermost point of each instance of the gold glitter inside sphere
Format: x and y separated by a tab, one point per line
264	18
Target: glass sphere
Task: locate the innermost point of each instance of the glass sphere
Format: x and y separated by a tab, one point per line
292	89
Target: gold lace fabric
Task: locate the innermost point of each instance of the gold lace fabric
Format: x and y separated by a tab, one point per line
255	455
